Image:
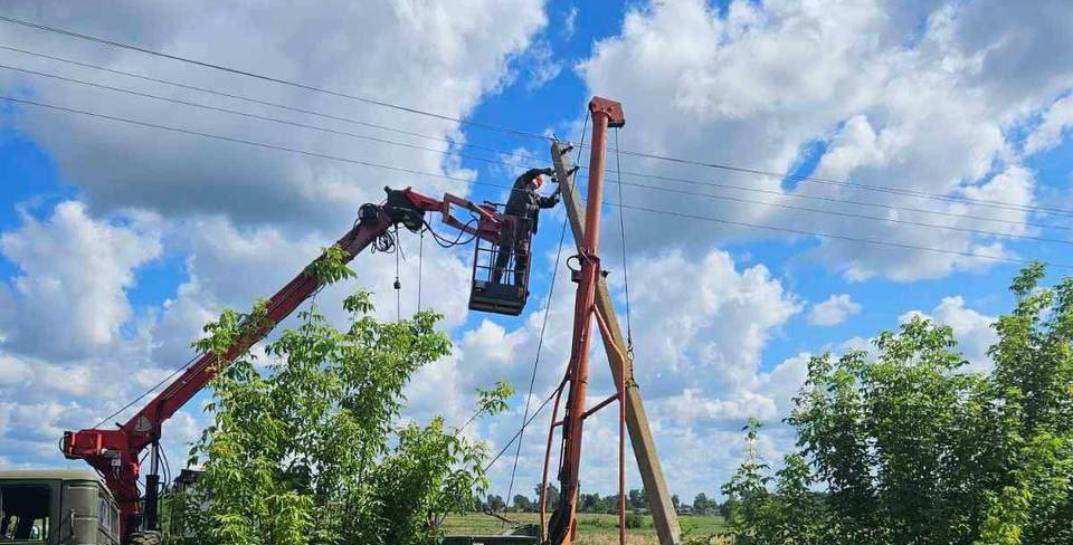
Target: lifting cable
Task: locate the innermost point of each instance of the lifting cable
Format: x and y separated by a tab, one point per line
543	328
420	266
398	285
622	231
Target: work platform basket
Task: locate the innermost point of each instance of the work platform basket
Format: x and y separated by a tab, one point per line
501	269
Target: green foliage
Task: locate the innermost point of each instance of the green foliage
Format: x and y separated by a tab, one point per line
634	520
309	449
330	267
522	504
910	447
702	505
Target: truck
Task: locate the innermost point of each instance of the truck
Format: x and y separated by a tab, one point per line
57	507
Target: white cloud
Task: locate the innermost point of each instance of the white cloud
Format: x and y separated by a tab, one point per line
246	219
1055	122
700	324
13	371
391	50
833	311
569	23
972	329
924	103
69	298
542	66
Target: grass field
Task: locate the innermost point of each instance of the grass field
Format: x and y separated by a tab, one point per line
593	529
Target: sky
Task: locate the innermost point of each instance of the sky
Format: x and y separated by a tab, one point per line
917	154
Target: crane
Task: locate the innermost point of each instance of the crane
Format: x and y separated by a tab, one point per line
561	529
117	453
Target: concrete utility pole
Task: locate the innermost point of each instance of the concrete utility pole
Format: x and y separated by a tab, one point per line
664	516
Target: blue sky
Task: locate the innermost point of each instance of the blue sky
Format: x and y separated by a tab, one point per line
117	242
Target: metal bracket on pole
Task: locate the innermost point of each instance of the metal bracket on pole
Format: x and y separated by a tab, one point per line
664	516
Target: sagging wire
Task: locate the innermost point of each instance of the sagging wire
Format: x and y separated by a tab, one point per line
445	242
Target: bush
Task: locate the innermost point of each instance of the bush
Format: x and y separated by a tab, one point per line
910	445
311	448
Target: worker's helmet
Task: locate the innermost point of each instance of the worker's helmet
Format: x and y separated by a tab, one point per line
538	181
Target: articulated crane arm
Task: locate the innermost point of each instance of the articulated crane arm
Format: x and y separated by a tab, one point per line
116	453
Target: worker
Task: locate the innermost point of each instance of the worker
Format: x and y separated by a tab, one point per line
523	207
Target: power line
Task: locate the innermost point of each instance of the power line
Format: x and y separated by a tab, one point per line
448	152
271	79
897	191
837	236
526	134
882	189
248	114
855	215
473	182
278	105
247	142
899	208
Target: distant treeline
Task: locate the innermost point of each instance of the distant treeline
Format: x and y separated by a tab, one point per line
636	501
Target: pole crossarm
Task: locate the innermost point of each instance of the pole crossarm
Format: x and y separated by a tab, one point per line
664	516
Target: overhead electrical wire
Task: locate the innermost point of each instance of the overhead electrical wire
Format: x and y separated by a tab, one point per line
835	236
518	132
271	79
253	100
893	190
474	182
619	173
836	200
856	216
502	153
248	114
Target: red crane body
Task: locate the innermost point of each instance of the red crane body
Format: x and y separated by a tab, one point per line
116	453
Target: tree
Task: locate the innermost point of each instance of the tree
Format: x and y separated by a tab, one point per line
551	500
495	504
911	447
676	502
589	503
523	504
702	505
636	499
309	449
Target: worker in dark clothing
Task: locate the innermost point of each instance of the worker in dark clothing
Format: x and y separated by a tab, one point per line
523	209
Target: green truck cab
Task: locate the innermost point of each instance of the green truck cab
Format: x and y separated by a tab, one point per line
55	507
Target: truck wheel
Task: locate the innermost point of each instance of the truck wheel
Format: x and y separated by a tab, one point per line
146	538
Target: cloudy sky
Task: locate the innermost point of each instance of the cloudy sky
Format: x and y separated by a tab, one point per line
917	153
